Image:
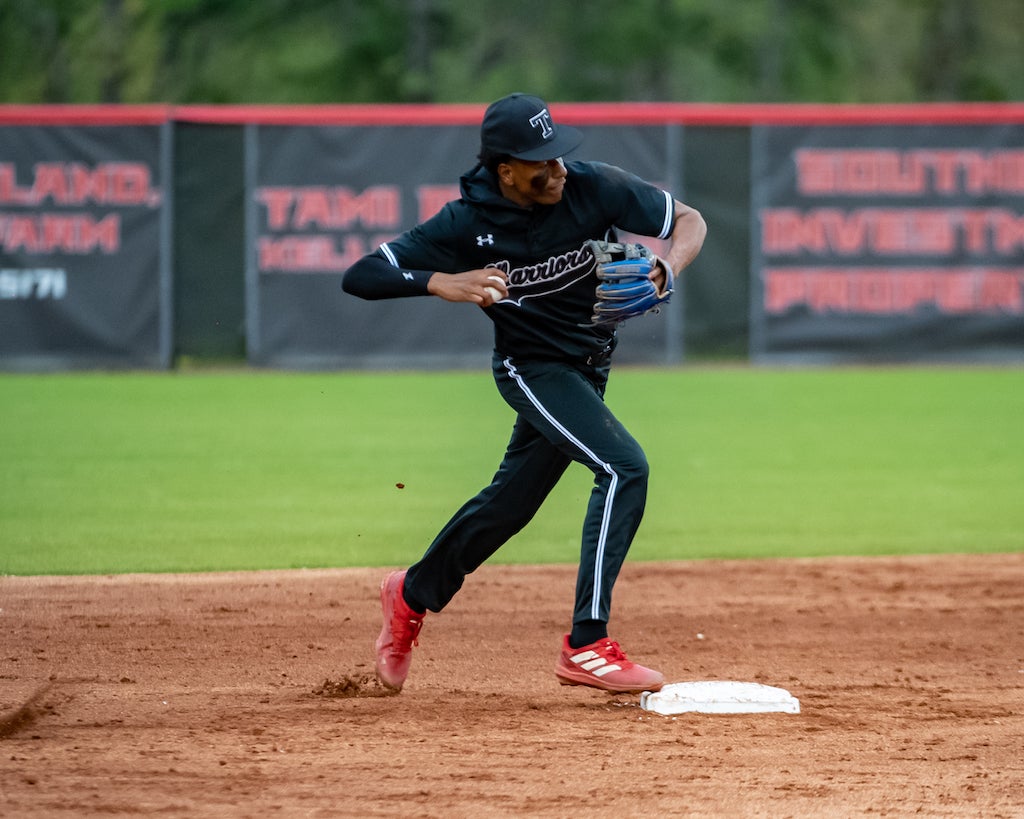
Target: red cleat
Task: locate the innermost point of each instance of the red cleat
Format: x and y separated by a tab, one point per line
604	665
398	634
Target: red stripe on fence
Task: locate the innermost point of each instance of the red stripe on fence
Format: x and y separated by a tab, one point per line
576	113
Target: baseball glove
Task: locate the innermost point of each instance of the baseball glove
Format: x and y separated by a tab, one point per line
624	288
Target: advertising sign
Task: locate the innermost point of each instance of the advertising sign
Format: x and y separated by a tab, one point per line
888	243
84	246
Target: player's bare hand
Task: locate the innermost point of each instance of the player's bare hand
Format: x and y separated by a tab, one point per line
659	273
484	286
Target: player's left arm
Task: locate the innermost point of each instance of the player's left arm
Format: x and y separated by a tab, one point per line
639	207
686	241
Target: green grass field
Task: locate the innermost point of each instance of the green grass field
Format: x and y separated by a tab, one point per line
109	473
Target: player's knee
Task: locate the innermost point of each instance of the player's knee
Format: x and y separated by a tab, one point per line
632	467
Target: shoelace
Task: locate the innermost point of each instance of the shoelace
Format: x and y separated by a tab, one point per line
613	653
406	631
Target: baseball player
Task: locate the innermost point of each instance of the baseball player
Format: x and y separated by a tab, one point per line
520	243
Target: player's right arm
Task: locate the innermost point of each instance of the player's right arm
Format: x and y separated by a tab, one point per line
424	261
375	277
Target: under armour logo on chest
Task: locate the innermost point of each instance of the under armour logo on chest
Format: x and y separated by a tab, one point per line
485	240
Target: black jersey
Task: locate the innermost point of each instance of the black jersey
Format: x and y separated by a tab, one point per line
541	250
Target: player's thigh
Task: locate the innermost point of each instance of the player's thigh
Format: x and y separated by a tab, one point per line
567	408
532	465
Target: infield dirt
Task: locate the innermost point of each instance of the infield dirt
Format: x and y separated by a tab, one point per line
252	694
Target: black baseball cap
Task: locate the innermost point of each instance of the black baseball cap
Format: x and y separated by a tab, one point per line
521	126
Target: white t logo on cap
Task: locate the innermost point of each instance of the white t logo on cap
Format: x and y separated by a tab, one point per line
543	121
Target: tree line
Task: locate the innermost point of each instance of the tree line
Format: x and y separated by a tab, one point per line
348	51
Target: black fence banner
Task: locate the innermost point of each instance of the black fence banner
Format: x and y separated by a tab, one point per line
836	233
85	245
319	198
887	243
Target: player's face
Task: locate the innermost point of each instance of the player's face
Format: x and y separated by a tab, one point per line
533	183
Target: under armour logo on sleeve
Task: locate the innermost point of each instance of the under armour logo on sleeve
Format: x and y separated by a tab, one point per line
485	240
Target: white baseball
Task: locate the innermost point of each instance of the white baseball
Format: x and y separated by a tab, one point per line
492	292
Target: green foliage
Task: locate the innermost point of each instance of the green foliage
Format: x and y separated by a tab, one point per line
209	471
321	51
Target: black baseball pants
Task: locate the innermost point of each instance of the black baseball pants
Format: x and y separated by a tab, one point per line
561	418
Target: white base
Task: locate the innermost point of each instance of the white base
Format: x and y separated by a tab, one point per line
719	697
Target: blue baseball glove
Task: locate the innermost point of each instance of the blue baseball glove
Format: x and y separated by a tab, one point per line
625	288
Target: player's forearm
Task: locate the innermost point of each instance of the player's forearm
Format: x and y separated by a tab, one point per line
687	237
373	277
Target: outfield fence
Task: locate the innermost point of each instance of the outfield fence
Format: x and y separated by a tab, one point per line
138	236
